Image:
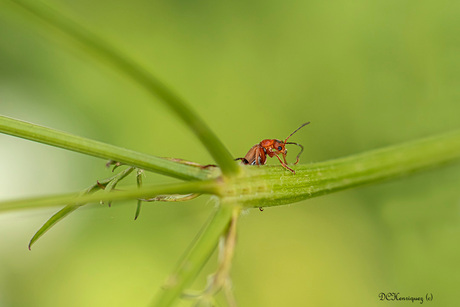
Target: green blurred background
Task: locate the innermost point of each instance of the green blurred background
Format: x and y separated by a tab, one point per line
365	73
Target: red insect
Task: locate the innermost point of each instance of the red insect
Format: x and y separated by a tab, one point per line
257	155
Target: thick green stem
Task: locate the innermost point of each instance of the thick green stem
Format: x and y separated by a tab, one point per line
195	259
204	187
98	149
274	186
107	52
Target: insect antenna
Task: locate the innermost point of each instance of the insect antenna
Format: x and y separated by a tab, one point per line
304	124
292	143
298	155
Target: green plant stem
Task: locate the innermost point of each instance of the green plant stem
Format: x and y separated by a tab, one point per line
106	51
98	149
204	187
195	259
273	186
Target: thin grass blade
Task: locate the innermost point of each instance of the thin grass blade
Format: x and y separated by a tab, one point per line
58	216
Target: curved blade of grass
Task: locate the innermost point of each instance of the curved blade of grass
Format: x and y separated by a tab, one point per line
98	149
105	51
204	187
61	214
58	216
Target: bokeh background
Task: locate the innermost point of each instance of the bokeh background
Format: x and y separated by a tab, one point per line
367	74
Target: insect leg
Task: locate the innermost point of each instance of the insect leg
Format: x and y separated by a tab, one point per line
260	158
284	165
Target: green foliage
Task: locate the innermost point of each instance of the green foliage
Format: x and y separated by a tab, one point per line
102	49
259	188
308	72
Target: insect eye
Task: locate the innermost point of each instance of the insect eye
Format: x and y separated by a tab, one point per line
280	148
